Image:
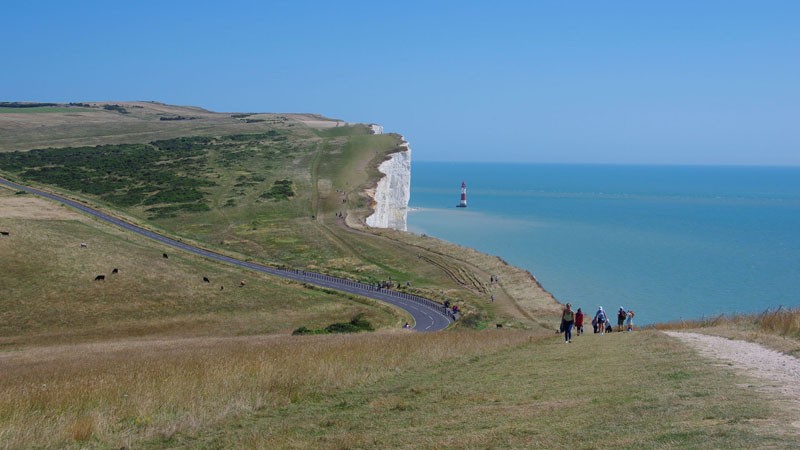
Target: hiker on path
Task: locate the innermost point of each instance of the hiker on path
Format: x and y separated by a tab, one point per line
630	320
567	320
579	322
600	318
621	316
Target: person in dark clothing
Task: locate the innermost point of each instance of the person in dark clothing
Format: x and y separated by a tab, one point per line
579	322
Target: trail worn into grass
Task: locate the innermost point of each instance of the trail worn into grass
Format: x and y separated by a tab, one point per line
778	373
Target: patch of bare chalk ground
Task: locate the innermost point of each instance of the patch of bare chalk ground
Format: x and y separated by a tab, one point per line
777	374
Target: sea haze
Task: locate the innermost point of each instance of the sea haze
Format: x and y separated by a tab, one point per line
669	242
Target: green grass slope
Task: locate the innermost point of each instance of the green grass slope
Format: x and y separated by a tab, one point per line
49	292
292	193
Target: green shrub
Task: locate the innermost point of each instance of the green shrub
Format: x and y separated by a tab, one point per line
281	190
356	325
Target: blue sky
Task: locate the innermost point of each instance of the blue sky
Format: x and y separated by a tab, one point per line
634	82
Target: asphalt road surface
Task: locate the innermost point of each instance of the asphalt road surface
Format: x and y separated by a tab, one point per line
428	315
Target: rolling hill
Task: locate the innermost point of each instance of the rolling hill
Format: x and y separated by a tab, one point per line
177	352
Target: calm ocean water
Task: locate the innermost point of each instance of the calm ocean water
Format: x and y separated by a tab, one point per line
668	242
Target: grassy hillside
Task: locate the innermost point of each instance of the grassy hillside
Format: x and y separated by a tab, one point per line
155	357
275	195
50	295
469	389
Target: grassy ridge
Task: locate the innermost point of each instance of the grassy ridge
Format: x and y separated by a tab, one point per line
103	123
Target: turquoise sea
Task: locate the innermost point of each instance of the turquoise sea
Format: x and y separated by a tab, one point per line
669	242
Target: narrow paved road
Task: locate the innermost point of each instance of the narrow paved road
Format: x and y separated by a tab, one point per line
428	315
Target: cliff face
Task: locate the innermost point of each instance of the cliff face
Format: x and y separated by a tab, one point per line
393	192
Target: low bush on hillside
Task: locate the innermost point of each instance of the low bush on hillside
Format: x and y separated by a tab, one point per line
281	190
356	325
170	211
26	104
168	118
117	108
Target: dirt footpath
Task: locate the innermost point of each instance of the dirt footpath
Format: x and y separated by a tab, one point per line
779	374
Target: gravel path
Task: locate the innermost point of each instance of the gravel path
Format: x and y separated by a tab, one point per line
779	374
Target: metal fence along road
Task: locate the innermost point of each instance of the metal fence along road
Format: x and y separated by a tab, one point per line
428	315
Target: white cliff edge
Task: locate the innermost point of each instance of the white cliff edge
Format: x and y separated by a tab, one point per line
391	196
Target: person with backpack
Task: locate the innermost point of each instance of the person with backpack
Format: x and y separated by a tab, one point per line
567	321
600	318
621	316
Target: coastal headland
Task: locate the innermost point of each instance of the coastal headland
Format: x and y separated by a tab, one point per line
171	349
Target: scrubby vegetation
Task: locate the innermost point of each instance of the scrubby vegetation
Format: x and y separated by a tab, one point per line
356	325
281	190
34	107
167	176
162	172
117	108
26	105
168	118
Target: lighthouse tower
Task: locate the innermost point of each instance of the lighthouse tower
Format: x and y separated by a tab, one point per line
463	202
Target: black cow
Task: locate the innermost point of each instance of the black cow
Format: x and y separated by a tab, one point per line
5	233
206	280
100	278
165	255
115	270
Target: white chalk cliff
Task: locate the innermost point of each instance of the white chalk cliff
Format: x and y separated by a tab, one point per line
393	192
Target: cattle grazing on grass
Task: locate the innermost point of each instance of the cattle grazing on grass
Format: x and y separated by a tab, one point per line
165	256
84	245
115	270
5	233
242	283
221	288
100	278
205	279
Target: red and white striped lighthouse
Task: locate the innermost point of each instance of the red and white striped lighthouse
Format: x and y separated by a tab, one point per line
463	202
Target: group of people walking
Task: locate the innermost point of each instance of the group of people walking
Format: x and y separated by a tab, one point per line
600	323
